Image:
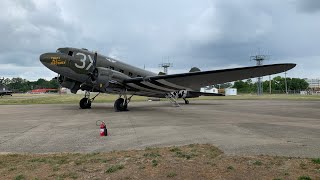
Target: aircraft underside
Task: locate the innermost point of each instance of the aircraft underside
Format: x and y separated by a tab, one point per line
125	93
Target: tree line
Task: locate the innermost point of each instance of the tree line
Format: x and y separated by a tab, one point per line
278	85
22	85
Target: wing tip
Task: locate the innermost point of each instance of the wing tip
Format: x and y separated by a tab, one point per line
290	65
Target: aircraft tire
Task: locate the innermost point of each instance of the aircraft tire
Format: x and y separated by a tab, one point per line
118	105
84	104
186	102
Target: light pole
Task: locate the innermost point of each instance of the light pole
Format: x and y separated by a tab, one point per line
270	84
285	81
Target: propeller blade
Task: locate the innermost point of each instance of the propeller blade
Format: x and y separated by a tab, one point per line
93	73
95	60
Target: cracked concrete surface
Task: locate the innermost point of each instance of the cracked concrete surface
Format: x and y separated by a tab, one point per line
238	127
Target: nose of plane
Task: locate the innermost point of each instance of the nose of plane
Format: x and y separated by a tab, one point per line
45	58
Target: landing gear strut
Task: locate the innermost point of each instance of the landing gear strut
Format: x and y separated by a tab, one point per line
85	103
186	101
121	104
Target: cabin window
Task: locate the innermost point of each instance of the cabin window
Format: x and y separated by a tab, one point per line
121	70
70	53
111	67
130	73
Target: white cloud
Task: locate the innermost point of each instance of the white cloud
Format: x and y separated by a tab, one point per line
208	34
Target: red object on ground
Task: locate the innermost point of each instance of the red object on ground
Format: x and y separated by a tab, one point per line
103	129
45	90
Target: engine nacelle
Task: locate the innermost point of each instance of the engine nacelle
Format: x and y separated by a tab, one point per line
74	86
104	75
66	82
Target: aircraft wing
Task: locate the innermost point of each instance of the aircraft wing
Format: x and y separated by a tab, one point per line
196	80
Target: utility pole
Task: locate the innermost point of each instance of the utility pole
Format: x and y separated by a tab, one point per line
285	81
270	91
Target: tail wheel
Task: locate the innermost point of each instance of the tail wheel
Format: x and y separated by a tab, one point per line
119	106
186	101
85	103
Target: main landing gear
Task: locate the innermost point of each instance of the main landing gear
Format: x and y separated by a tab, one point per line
85	103
186	101
121	104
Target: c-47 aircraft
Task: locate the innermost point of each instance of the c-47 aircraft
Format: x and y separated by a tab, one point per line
92	72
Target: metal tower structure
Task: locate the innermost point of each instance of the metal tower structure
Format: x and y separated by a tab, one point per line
259	62
165	67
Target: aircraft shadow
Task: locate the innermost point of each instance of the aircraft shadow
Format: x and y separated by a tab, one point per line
146	107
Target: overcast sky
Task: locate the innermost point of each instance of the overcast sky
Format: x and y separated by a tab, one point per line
209	34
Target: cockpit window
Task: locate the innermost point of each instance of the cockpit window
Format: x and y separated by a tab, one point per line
70	53
58	51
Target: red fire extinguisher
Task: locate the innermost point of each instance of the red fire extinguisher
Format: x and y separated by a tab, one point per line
103	129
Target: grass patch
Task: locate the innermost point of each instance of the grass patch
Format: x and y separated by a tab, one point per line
175	149
171	174
114	168
71	175
40	160
148	148
59	99
181	154
75	98
139	164
316	160
303	166
12	169
257	163
56	168
51	160
304	178
152	155
154	163
20	177
230	168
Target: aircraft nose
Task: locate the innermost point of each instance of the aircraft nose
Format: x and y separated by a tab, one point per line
45	58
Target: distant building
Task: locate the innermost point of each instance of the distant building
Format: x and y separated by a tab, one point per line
313	83
209	89
231	92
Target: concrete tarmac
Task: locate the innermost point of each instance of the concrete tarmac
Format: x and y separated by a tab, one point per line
238	127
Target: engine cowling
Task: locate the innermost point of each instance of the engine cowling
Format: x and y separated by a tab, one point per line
104	75
74	86
66	82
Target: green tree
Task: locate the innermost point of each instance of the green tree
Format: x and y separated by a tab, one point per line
244	86
23	85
